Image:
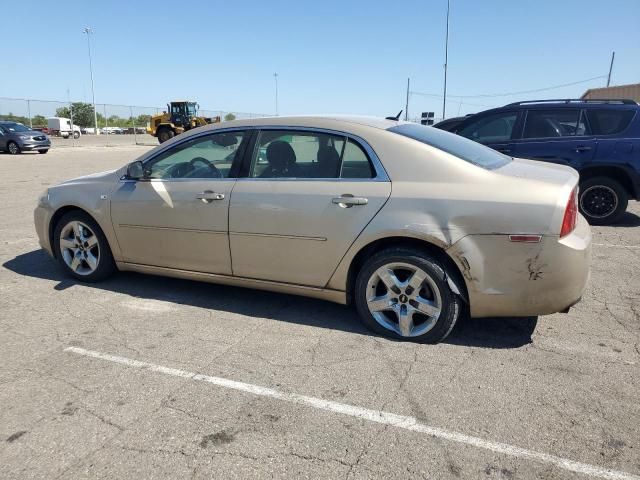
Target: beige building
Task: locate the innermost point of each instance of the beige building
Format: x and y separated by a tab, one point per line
631	92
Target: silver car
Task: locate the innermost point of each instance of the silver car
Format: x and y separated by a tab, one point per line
17	138
412	225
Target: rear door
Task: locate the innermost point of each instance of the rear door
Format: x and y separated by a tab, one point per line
3	138
494	130
557	135
306	197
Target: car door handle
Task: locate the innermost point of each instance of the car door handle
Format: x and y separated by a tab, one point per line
208	196
348	201
582	148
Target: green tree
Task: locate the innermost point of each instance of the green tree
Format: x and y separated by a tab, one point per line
10	117
39	120
229	116
142	120
82	113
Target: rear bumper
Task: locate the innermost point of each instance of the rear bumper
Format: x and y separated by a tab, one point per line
507	278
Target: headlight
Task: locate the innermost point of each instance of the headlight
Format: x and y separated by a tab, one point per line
23	137
43	200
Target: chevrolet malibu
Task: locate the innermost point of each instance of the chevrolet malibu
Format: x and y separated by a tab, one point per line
414	226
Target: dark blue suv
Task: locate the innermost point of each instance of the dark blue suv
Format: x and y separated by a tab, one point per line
599	138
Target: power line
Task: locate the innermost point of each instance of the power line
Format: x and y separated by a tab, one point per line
522	92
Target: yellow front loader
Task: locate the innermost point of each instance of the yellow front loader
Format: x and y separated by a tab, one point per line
179	117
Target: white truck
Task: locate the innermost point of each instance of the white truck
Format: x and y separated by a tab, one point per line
62	127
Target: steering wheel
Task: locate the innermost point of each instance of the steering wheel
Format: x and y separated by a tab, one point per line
207	163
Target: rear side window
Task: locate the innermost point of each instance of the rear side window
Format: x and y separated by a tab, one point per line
609	121
553	123
307	154
457	146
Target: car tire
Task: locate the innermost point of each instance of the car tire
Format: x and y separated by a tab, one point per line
81	248
43	151
13	148
165	134
602	200
433	294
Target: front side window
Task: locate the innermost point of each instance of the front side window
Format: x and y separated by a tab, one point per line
609	121
491	129
553	123
210	156
301	154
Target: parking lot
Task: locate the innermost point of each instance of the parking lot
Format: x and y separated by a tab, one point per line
105	141
148	377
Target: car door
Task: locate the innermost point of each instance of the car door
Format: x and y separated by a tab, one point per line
557	135
177	215
495	130
306	197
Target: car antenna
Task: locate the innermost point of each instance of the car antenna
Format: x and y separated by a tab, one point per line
396	118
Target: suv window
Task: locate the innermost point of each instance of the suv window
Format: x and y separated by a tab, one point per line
608	121
210	156
553	123
301	154
491	129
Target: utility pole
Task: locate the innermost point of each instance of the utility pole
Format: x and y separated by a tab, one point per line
275	76
406	107
89	32
613	55
446	61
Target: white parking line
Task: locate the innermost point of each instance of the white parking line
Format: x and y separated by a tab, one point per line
386	418
617	246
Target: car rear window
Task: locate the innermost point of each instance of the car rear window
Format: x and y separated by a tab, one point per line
605	121
463	148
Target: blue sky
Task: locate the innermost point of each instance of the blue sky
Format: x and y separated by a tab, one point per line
331	56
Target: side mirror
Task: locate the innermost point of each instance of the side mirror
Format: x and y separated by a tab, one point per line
135	171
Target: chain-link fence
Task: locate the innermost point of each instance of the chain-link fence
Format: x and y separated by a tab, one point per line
116	124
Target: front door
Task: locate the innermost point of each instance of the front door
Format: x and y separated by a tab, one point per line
177	216
307	197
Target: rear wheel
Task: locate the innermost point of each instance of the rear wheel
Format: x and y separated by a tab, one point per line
165	134
13	148
76	135
404	293
81	248
602	200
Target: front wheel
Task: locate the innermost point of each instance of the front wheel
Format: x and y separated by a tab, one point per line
76	135
404	294
165	134
81	248
13	148
602	200
43	151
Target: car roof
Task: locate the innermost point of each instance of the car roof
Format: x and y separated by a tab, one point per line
333	121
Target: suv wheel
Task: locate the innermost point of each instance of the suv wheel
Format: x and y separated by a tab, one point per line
403	293
602	200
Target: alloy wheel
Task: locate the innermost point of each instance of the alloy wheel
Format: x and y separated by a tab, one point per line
13	148
404	298
79	248
599	201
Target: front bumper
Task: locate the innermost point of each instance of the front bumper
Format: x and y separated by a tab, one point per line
516	279
35	145
42	217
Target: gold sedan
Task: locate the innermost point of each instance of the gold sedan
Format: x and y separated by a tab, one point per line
413	225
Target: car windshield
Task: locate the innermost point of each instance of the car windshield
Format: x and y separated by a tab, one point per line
460	147
15	127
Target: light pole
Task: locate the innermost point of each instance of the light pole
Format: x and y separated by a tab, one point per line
446	60
275	76
88	31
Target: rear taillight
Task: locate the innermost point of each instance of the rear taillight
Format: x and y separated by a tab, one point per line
570	214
